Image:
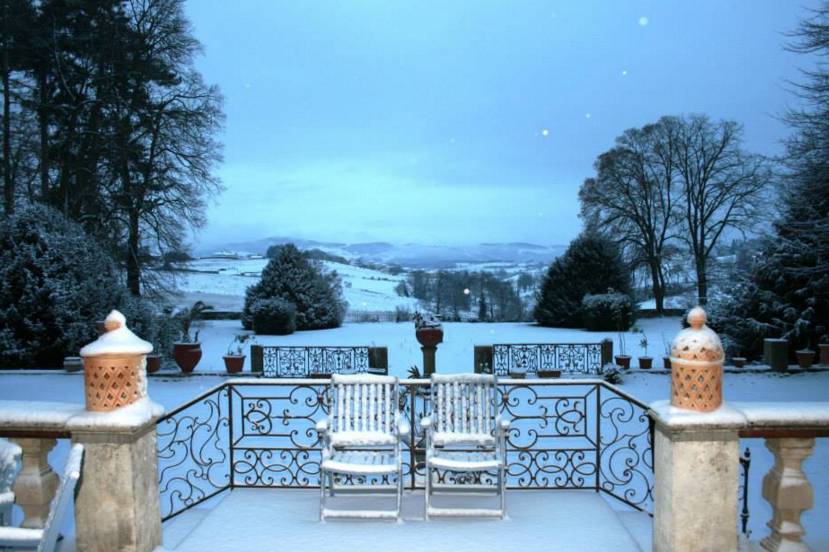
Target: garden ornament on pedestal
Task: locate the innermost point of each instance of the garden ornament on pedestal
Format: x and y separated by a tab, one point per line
429	333
697	359
115	366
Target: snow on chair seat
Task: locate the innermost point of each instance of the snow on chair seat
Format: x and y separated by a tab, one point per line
361	438
361	463
464	434
45	540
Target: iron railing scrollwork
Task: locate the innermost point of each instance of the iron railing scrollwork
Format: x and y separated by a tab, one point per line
745	465
565	434
532	358
194	451
304	362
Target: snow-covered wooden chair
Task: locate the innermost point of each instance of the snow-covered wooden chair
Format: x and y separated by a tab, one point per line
45	540
465	435
361	439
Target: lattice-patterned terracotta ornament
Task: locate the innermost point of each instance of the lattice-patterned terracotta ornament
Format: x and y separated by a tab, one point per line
696	366
115	364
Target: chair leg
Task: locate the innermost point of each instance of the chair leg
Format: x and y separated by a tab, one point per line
322	495
428	491
399	493
501	490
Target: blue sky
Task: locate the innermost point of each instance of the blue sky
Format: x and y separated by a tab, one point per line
465	121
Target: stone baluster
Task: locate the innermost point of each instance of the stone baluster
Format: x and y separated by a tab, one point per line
36	483
788	491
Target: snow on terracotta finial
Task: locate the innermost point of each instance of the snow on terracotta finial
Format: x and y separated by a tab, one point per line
115	320
697	318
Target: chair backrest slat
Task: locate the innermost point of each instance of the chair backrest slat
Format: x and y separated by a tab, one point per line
364	403
464	404
63	499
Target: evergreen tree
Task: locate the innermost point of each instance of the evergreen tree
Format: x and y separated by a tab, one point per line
786	292
592	264
294	278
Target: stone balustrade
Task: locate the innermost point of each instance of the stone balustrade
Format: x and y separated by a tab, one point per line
116	507
696	457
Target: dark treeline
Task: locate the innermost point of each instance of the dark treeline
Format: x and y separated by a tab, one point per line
106	120
461	295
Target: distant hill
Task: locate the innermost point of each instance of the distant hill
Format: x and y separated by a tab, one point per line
412	255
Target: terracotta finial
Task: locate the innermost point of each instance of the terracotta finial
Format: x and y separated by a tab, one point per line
115	320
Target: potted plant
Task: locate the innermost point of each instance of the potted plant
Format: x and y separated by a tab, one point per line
517	372
235	357
428	329
187	351
805	358
666	358
153	362
622	359
645	361
549	373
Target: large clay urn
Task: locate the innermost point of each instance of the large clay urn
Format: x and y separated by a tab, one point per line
429	337
115	366
696	360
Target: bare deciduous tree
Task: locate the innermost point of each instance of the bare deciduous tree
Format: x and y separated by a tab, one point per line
722	186
634	197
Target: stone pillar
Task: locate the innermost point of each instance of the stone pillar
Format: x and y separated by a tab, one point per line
696	462
776	354
429	354
117	506
36	483
788	491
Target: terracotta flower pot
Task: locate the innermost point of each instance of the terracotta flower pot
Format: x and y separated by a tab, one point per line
429	337
805	358
666	362
645	362
234	363
623	361
187	355
824	353
153	363
738	362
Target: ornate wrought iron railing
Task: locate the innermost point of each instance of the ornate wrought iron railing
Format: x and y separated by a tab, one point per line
745	466
310	361
571	434
534	358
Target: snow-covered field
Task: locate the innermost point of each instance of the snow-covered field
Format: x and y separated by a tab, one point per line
224	281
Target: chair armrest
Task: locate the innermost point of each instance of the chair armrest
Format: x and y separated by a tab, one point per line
426	423
403	428
322	426
502	425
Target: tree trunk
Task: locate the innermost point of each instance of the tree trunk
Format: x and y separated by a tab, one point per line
43	123
702	282
8	183
133	264
658	289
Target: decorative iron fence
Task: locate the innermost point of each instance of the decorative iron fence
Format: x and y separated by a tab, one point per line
533	358
745	465
574	434
309	361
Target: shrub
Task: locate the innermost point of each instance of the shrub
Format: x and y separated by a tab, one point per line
607	311
55	284
273	317
292	277
591	264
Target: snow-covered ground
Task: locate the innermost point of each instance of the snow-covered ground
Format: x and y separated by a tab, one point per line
224	281
455	355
